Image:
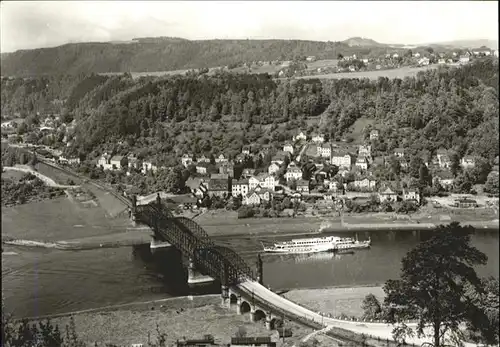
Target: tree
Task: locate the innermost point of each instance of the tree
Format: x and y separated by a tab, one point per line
371	307
175	181
431	287
415	163
424	177
395	166
491	185
23	158
486	307
455	164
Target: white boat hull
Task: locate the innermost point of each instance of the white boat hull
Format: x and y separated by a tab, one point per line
336	246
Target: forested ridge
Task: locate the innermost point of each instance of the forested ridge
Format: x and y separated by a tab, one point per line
452	108
156	54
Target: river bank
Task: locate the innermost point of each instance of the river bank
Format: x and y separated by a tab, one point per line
194	316
178	318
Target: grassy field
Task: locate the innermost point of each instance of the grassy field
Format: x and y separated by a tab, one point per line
13	175
176	318
335	301
357	129
58	219
373	75
322	63
221	223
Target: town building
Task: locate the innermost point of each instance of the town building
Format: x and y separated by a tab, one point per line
324	150
466	203
388	195
115	162
273	168
280	157
253	182
399	152
104	161
334	186
245	150
444	161
302	186
218	187
300	136
464	59
187	159
365	151
444	178
318	138
252	342
411	195
288	148
365	183
133	162
221	159
362	163
201	168
203	159
247	172
219	176
240	187
424	61
227	168
293	172
267	181
468	161
148	166
374	134
341	159
257	196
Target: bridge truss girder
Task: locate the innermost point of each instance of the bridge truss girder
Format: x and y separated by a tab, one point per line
191	239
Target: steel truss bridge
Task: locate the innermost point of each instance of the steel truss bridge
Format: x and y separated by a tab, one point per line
223	264
220	263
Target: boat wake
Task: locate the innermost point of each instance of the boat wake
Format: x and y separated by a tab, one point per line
61	245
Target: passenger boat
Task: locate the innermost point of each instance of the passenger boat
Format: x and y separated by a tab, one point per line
315	245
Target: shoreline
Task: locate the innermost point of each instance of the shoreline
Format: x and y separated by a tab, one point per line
202	300
138	305
82	245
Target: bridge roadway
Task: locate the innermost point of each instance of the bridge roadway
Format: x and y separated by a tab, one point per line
261	294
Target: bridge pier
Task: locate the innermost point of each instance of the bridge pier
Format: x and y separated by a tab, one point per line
133	210
253	317
269	325
225	296
238	305
156	245
195	278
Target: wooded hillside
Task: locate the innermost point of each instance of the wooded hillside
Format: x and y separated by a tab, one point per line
156	54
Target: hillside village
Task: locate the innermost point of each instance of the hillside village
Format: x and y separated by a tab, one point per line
309	169
309	66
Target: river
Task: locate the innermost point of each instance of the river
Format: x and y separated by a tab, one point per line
39	281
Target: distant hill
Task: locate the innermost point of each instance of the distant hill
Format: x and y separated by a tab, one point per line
492	44
167	54
153	54
362	42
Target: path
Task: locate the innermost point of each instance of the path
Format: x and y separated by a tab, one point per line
301	152
382	330
47	180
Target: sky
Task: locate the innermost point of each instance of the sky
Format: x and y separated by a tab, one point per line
36	24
